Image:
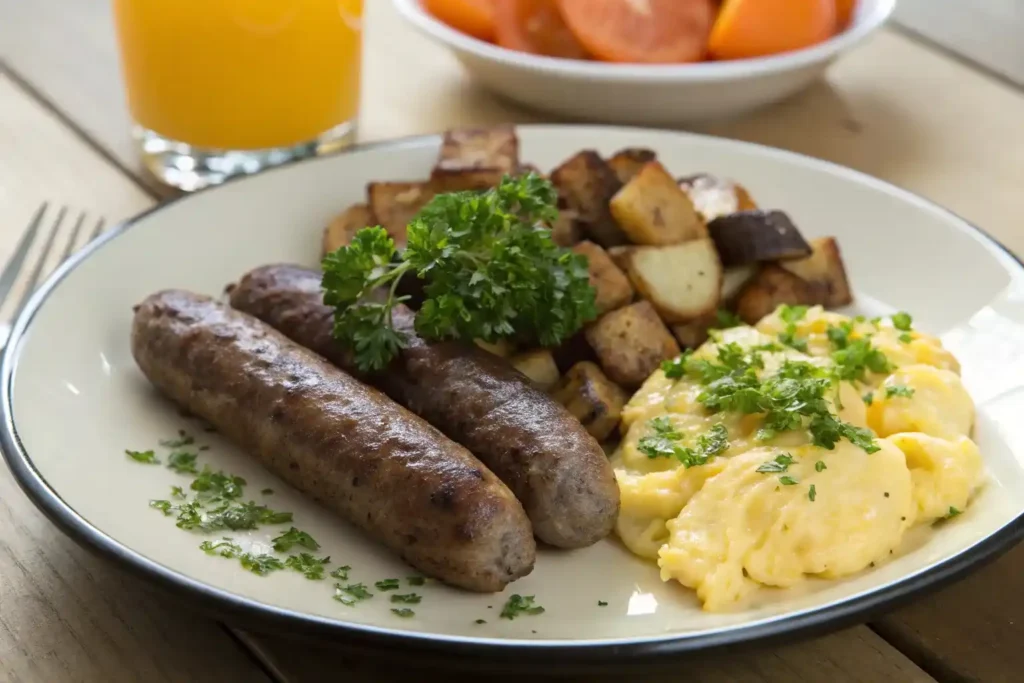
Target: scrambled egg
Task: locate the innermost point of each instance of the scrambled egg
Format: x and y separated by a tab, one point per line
772	509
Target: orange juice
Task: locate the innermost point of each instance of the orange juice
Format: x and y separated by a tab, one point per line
241	74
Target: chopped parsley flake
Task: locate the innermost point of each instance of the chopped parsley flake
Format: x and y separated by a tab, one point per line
261	565
416	580
267	492
178	492
408	598
518	604
387	585
788	481
676	368
791	315
480	621
212	485
308	565
351	594
664	443
906	337
855	359
902	321
602	603
953	512
820	466
812	493
164	506
341	573
899	390
292	537
182	462
224	548
780	464
403	612
183	439
869	398
145	457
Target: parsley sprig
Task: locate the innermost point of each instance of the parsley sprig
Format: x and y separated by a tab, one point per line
792	398
490	267
664	442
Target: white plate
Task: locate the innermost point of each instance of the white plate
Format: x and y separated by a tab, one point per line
661	94
73	401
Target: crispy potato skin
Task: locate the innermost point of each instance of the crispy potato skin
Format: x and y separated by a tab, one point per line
631	343
627	162
824	268
586	183
592	398
611	286
682	281
653	210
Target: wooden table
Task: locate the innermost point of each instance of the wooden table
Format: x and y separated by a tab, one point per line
899	108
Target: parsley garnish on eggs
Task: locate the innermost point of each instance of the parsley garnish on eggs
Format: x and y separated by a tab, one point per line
490	267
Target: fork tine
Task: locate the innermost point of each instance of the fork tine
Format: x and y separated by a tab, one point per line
98	230
70	248
37	271
17	260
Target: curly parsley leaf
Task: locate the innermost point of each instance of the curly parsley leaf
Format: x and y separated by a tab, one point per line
726	319
407	598
341	573
403	612
387	585
490	268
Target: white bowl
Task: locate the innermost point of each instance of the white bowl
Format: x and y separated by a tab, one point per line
665	95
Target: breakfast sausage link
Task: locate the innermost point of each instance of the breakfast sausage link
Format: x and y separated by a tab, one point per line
558	471
339	441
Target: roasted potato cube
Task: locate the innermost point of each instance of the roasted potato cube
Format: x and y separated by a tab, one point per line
733	280
715	197
395	205
631	342
503	347
757	236
495	148
611	286
627	162
566	229
539	366
771	287
586	184
683	281
443	180
592	398
652	209
824	269
340	231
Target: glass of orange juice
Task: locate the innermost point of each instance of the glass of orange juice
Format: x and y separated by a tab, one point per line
219	88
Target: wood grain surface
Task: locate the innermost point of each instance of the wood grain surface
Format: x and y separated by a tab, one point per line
887	109
986	32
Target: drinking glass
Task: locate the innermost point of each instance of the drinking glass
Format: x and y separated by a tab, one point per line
218	88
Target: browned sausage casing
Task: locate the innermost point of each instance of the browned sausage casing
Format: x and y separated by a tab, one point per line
558	471
339	441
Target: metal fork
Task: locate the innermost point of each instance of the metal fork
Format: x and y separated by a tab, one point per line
35	267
